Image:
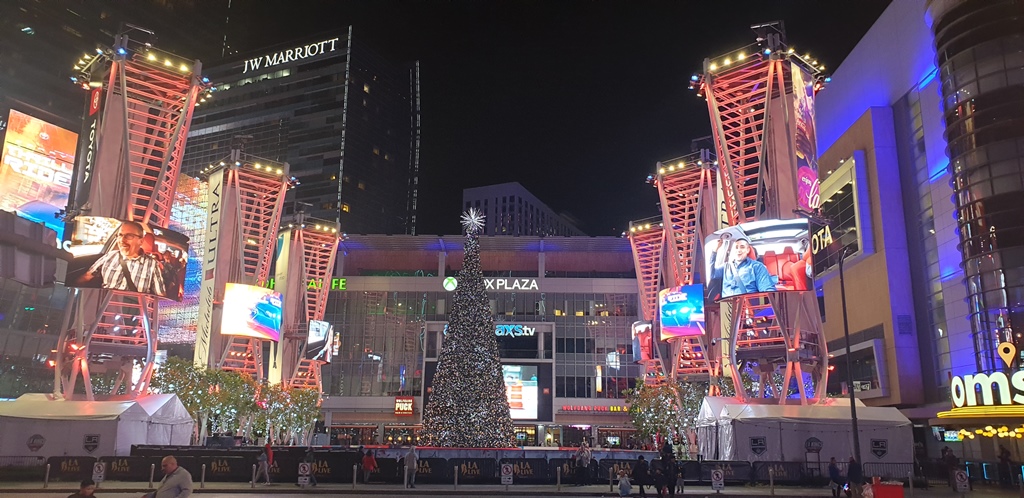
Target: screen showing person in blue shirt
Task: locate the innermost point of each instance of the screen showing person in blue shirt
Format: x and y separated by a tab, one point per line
743	274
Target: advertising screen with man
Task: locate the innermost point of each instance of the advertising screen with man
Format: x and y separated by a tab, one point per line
35	169
251	311
681	310
318	341
760	256
127	256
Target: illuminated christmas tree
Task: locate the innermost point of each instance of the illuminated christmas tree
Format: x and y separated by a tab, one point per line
468	405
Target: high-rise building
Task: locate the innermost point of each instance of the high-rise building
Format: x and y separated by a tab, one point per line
980	55
345	119
510	209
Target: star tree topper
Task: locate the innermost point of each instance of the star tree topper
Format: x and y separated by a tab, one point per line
473	221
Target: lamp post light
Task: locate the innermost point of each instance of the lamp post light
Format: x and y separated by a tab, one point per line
849	368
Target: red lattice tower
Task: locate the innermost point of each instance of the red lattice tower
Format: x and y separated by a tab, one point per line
749	92
647	240
305	268
245	202
137	119
686	189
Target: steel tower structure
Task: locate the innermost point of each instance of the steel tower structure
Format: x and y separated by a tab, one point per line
245	201
686	191
647	240
137	119
750	95
304	270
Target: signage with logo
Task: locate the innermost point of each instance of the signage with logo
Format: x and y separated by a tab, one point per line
593	408
99	471
90	442
879	447
403	406
758	445
291	55
991	393
506	473
717	479
960	479
35	442
813	445
337	284
514	330
496	284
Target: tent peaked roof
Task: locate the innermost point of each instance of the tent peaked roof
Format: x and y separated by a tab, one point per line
833	410
41	406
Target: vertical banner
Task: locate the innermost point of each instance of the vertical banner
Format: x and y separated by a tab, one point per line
208	285
85	159
806	145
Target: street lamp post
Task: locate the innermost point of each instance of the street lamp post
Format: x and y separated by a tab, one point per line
849	368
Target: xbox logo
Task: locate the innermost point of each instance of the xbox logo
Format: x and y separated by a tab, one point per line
450	284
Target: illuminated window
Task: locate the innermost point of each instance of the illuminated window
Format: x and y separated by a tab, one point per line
362	186
366	87
376	151
344	207
387	157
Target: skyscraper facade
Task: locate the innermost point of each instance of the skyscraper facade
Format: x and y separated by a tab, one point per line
510	209
345	119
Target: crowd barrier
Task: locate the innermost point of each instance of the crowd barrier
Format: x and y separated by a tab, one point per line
436	465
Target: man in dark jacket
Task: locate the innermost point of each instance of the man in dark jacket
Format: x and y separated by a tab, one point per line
855	477
640	471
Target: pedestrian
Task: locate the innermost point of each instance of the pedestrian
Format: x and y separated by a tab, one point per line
411	466
640	471
177	482
369	465
625	488
835	477
88	488
680	477
583	457
854	477
310	458
263	465
1004	467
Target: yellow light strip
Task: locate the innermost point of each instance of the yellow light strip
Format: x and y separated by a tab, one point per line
983	411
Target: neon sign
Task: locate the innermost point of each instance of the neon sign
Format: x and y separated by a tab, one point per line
514	330
316	283
976	394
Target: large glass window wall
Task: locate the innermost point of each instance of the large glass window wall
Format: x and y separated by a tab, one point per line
30	320
382	339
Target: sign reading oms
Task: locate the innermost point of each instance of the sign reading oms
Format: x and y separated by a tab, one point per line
292	54
965	390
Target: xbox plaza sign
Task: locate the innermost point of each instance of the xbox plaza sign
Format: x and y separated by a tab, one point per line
496	284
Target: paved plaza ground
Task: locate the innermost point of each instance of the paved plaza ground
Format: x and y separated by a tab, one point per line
116	489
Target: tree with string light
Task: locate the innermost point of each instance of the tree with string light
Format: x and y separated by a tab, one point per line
468	406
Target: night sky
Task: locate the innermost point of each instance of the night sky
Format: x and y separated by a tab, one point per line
575	100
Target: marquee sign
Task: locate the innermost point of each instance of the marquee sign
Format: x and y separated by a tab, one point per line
403	406
988	393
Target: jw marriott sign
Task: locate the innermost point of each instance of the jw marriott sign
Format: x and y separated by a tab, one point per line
290	55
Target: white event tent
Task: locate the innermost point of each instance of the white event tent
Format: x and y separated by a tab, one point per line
728	429
38	425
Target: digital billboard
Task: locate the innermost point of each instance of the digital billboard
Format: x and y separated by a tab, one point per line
251	311
521	389
318	341
35	169
808	185
681	310
760	256
642	341
128	256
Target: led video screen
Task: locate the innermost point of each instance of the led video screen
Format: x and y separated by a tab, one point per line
808	184
681	310
760	256
127	256
642	341
36	163
251	311
521	389
318	341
